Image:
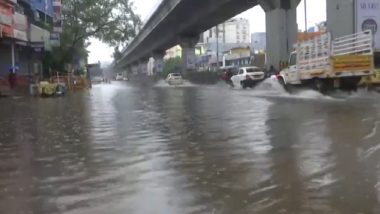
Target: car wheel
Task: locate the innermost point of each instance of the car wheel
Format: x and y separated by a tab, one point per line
243	84
319	85
282	82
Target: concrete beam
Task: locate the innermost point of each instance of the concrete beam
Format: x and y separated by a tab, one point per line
281	29
158	57
269	5
143	65
188	52
176	18
340	17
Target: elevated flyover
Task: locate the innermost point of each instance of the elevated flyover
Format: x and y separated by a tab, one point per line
182	21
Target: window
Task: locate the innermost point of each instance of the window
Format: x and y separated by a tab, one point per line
377	60
293	59
241	71
251	70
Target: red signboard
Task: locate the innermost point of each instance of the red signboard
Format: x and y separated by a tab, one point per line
20	27
6	17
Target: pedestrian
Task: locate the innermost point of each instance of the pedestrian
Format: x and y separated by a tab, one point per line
272	71
12	76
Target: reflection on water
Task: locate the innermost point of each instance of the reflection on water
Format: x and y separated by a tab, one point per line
128	149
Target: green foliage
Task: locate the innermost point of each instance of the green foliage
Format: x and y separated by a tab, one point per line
172	65
112	21
117	54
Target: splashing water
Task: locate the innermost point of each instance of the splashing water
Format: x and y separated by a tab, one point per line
272	88
163	84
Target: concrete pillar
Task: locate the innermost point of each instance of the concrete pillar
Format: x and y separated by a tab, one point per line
135	68
340	17
143	66
281	29
158	57
188	52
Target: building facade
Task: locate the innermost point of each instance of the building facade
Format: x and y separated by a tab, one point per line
235	30
259	42
25	34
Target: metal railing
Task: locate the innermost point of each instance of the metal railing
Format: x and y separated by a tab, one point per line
358	43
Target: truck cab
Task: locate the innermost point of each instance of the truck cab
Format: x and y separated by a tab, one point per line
290	74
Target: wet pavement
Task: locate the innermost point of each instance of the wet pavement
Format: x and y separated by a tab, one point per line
122	148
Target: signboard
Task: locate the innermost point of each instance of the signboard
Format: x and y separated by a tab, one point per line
368	17
36	33
55	39
20	35
57	16
6	20
20	22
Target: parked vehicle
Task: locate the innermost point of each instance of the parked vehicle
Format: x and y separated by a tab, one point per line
227	73
248	77
325	64
97	79
119	77
174	79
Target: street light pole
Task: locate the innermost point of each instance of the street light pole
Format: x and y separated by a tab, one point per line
305	4
217	47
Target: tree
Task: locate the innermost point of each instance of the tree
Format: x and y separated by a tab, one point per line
117	54
172	65
112	21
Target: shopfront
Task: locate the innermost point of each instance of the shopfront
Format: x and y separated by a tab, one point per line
20	35
6	34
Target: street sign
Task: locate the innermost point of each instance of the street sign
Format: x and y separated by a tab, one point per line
368	18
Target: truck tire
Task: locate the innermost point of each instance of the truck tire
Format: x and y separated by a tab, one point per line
282	82
350	83
319	85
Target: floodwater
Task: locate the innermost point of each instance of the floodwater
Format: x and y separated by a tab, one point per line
123	148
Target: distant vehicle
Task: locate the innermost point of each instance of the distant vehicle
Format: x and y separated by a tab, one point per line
125	79
248	77
324	64
174	79
119	77
97	79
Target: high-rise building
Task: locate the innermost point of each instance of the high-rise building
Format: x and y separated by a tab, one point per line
235	30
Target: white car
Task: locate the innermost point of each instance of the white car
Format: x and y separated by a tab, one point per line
248	77
174	79
119	77
97	79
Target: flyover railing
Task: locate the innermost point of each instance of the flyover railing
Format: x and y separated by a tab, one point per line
158	13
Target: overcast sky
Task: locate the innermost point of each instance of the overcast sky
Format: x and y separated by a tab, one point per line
316	12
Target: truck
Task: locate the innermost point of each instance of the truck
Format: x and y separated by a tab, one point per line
325	64
372	82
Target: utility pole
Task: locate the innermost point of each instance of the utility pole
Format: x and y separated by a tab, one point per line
305	5
217	47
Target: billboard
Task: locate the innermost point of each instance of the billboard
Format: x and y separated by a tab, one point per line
6	23
20	25
57	16
368	17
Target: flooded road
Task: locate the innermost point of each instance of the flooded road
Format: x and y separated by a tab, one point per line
208	149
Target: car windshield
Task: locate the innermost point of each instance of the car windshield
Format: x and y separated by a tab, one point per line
189	107
251	70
